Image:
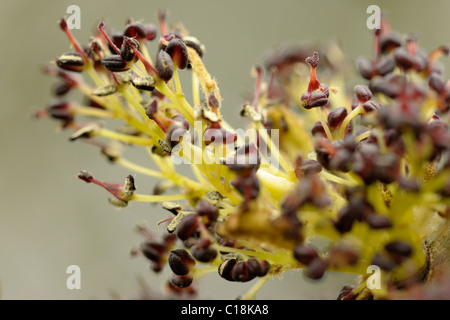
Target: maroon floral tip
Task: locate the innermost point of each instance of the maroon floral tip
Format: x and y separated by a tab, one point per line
314	60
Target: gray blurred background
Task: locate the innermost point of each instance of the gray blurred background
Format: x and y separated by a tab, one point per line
50	220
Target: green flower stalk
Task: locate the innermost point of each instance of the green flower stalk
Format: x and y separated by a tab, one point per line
367	170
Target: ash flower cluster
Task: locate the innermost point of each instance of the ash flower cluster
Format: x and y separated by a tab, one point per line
366	169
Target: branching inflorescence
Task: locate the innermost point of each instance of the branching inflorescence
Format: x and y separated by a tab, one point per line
367	171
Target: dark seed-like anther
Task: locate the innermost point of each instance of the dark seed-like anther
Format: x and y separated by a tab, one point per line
164	66
177	50
180	261
72	61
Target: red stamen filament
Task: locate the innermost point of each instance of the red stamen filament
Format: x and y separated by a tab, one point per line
72	39
111	43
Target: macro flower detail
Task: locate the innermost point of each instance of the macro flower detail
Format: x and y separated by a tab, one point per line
364	168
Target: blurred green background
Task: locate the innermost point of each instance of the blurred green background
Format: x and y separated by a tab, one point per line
50	220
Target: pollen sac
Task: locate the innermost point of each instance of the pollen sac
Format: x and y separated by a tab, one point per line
363	93
336	117
84	132
137	31
342	255
155	252
307	167
346	293
115	63
177	50
318	130
383	262
377	221
181	281
61	110
187	226
399	250
226	268
202	251
128	188
366	69
206	210
316	269
247	185
240	272
127	50
305	254
436	83
370	106
85	176
71	61
164	66
62	89
195	44
314	99
180	261
105	91
152	109
213	102
146	83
